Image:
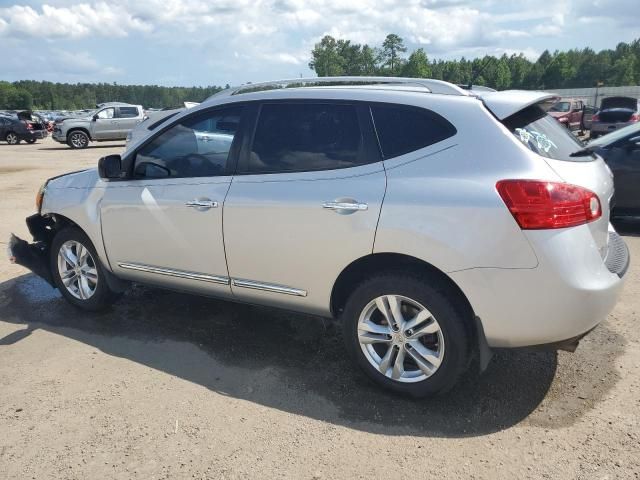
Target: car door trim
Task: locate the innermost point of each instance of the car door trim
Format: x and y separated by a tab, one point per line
268	287
176	273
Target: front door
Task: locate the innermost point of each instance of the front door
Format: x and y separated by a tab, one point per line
164	225
304	204
624	160
105	125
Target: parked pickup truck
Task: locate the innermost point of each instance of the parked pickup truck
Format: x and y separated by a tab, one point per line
112	121
569	112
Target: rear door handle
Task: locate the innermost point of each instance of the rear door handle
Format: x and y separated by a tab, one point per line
344	207
202	204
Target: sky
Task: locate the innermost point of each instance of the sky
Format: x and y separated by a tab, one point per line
215	42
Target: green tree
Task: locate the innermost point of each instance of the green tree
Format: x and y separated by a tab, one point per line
390	59
417	66
325	58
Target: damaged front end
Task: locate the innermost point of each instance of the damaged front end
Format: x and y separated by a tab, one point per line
35	256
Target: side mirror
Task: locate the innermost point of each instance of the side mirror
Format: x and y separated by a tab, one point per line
110	167
95	117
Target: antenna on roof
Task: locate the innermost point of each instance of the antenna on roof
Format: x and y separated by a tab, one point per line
474	76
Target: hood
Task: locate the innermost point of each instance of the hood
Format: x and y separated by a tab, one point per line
80	179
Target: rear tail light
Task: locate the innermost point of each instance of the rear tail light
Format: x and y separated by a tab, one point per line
595	118
28	125
635	117
538	205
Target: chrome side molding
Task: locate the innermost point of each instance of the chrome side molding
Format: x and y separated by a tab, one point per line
176	273
268	287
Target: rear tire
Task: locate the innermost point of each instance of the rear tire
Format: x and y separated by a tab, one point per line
78	272
423	348
31	140
12	138
77	139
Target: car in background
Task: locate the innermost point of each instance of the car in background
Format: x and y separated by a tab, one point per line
621	152
154	119
569	112
111	121
615	113
21	126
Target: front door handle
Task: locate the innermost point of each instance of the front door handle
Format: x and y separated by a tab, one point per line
345	207
202	204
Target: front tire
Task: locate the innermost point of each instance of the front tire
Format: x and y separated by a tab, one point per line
77	271
407	333
78	139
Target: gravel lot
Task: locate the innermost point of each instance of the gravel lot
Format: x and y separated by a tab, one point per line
168	385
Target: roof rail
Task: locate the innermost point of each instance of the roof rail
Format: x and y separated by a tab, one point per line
433	86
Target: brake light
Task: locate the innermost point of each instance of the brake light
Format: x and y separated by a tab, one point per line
635	117
28	125
538	205
595	118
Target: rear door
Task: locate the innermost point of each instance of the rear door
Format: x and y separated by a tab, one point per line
623	157
304	204
127	118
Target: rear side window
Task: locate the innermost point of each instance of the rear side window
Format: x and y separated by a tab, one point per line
544	135
306	137
128	112
402	129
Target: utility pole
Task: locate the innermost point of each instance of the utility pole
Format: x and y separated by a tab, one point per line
595	100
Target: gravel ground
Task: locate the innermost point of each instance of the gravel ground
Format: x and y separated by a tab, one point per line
167	385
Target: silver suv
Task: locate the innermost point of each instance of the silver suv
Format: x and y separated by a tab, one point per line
436	223
112	121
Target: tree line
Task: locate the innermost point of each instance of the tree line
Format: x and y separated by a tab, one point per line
560	69
29	94
333	57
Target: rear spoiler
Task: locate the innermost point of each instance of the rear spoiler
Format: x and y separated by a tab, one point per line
506	103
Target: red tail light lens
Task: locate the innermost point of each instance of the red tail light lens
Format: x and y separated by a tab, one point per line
28	125
595	118
538	205
634	118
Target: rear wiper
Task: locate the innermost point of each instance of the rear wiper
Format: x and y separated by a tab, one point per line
583	152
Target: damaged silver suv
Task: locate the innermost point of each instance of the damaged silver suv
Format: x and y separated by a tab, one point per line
437	223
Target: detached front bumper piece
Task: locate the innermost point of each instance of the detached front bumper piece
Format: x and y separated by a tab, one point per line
34	256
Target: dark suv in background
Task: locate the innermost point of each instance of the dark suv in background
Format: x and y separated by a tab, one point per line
21	126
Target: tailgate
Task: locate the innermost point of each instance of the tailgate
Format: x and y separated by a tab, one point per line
597	177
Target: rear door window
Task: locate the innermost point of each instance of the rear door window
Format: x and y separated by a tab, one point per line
128	112
544	135
402	129
303	137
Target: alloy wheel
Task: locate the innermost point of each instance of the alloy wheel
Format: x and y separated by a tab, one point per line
77	270
78	140
401	338
12	138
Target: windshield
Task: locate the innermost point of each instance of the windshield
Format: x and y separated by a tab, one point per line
616	135
544	135
561	107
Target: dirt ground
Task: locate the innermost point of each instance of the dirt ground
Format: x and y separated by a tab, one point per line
167	385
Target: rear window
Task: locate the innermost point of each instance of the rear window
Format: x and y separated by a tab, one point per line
544	135
402	129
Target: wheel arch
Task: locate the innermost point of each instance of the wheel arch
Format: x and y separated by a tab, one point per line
375	263
82	129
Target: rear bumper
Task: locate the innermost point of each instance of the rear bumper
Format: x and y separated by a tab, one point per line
34	135
58	136
568	294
